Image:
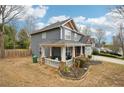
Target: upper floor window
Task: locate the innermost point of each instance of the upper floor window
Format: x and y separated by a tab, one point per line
67	34
44	35
76	37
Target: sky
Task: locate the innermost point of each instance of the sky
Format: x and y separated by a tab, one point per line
92	16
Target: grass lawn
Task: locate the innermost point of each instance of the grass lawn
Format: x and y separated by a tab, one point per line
22	72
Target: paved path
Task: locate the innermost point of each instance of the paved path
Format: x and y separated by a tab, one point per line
108	59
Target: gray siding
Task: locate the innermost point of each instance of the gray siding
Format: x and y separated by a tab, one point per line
53	34
36	39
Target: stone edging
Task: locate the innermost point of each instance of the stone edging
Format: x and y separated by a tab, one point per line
75	78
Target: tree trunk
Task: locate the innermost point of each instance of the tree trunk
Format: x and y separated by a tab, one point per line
2	52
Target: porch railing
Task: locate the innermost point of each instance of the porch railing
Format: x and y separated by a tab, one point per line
52	62
69	62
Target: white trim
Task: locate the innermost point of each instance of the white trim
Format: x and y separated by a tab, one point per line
74	24
66	22
50	51
69	28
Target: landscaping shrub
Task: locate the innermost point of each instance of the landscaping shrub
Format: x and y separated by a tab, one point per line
108	55
81	61
95	52
66	69
89	56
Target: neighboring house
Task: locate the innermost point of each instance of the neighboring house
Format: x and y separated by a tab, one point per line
60	41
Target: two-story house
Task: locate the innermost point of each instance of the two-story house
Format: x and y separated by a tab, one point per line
59	42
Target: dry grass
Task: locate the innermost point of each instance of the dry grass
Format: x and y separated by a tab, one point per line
22	72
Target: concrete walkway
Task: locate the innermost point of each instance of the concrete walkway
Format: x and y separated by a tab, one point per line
108	59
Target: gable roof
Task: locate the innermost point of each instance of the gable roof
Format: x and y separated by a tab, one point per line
70	23
51	26
57	25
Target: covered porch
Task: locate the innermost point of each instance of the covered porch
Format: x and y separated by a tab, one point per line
62	51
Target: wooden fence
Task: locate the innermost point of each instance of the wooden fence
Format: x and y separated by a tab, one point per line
17	52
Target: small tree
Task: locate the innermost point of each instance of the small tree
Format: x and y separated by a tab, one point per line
23	38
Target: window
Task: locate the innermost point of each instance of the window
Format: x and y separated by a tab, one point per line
44	35
67	34
68	53
75	37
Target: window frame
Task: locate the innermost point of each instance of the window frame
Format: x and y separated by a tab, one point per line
76	37
44	35
67	34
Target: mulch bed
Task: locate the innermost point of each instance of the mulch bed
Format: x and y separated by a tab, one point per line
74	73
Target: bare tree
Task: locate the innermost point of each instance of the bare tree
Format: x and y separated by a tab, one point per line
120	36
7	14
119	11
30	23
30	26
100	37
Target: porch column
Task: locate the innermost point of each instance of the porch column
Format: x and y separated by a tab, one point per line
81	51
63	55
73	51
42	52
50	51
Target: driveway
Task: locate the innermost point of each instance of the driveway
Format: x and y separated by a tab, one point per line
108	59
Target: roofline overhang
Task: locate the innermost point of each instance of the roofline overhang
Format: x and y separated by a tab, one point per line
62	45
44	31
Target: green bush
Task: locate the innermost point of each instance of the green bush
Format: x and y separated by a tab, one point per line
66	69
95	52
108	55
89	56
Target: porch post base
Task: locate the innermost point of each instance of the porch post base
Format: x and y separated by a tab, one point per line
42	60
82	55
62	65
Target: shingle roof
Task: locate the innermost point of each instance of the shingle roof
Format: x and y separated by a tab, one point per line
51	26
